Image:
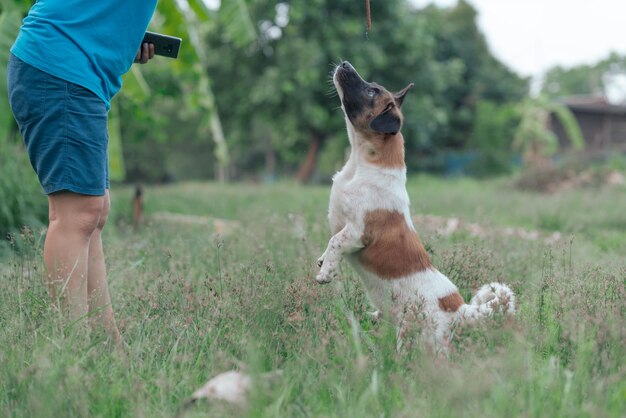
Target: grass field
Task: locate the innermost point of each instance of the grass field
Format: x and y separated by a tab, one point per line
191	304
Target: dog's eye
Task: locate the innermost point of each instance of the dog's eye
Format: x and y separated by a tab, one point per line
371	92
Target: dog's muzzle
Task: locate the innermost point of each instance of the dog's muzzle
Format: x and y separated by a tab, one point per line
351	88
346	75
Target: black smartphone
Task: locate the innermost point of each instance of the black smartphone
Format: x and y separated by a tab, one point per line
164	45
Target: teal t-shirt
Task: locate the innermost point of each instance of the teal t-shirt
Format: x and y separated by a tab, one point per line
91	43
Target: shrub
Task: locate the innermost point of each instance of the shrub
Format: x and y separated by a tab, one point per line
494	128
21	199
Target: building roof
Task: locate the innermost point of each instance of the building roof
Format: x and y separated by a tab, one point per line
593	104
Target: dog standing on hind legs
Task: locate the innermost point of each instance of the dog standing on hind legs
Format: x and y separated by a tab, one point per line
371	223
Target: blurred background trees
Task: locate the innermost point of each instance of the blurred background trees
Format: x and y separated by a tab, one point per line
606	78
275	101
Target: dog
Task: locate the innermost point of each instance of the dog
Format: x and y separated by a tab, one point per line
372	227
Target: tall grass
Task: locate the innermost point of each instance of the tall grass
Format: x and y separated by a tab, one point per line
21	198
191	304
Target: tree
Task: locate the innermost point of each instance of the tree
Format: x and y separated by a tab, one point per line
189	19
279	94
483	77
280	99
597	79
492	134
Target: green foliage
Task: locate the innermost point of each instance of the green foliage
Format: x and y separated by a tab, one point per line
494	126
590	80
188	82
493	133
581	80
483	77
534	136
21	201
282	81
570	124
617	162
238	25
21	198
117	171
10	20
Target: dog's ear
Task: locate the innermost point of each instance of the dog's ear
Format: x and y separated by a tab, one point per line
399	96
387	122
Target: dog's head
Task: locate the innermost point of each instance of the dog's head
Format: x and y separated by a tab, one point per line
370	108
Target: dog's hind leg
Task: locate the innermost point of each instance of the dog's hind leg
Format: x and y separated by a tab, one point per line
346	241
493	297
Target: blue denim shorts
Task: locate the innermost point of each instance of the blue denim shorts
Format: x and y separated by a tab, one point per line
64	127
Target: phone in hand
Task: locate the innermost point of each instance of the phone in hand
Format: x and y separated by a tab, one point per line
164	45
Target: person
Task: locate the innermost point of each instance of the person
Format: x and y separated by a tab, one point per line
65	66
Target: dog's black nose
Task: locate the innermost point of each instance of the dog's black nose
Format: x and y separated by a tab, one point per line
346	65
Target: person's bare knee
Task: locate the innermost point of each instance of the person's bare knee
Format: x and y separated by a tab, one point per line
82	214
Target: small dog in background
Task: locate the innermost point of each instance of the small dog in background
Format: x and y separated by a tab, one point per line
372	226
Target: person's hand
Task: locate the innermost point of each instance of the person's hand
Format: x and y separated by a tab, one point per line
145	53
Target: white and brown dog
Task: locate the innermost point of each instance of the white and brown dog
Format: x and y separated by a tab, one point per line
371	223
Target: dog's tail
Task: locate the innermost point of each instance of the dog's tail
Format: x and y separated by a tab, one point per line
492	297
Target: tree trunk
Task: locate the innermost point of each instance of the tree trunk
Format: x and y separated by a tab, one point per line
270	163
308	165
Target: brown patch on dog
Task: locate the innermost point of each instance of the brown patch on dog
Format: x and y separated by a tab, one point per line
392	249
451	303
387	151
384	102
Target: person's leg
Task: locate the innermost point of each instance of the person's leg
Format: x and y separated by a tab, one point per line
99	299
73	220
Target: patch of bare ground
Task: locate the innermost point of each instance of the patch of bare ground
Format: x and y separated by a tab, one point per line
219	226
447	226
552	179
